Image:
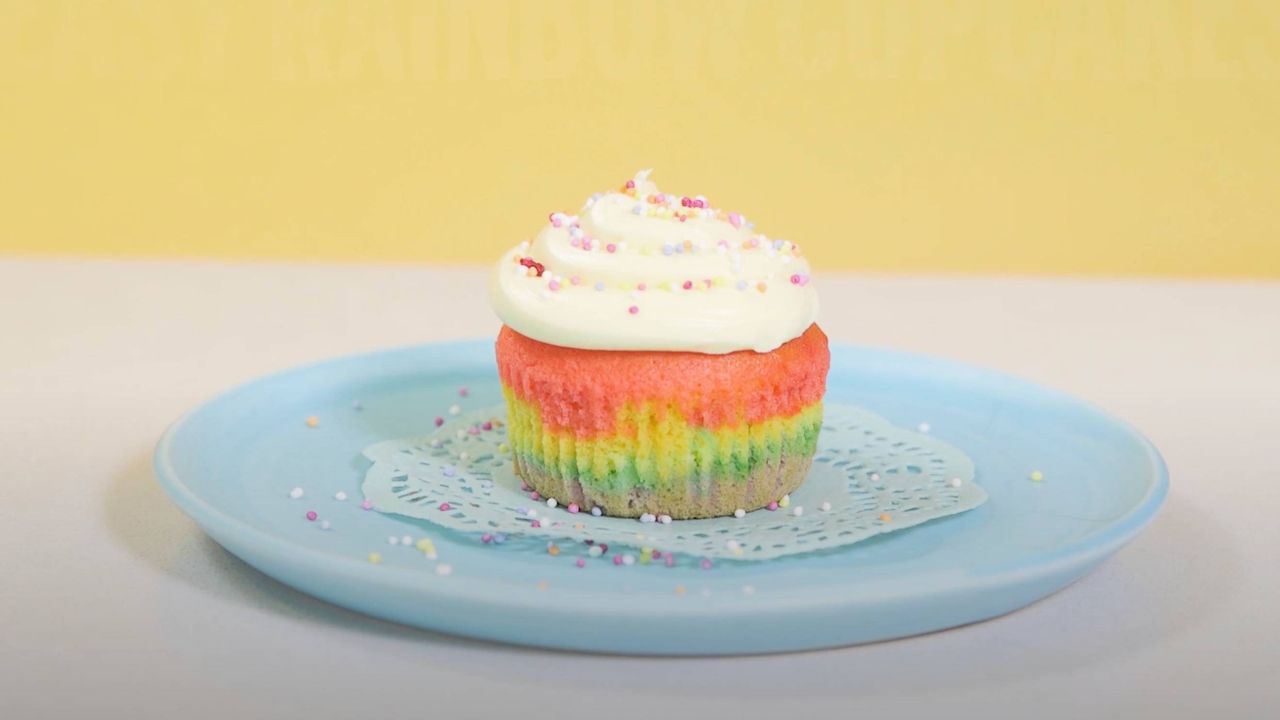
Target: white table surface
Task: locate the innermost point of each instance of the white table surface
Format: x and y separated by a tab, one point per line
113	604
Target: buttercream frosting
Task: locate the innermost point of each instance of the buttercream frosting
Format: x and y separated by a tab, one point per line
639	269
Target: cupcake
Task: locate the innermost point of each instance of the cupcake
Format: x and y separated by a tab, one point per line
659	358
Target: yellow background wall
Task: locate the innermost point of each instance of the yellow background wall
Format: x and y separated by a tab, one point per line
1073	137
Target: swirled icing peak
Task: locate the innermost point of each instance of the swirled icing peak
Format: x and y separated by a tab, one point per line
639	269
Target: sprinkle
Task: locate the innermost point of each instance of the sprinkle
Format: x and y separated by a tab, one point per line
487	425
324	525
611	248
393	540
575	280
595	551
375	558
667	249
499	538
628	559
669	560
366	505
617	559
923	427
1036	475
543	585
486	538
553	286
551	502
797	510
680	590
406	541
312	515
535	524
733	546
439	421
825	506
773	505
356	405
687	285
646	555
446	506
762	287
553	549
705	564
739	513
339	496
596	512
463	392
633	309
748	589
875	477
534	495
955	482
647	517
664	519
798	279
886	517
444	569
454	409
295	493
785	501
599	287
556	218
735	220
580	562
573	508
313	421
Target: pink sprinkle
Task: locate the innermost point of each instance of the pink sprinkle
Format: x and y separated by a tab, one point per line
473	430
773	505
575	280
573	507
604	547
445	506
799	279
487	425
631	184
463	392
586	243
575	242
700	203
535	524
580	562
557	219
641	287
311	515
611	247
633	309
686	202
617	559
706	563
688	285
486	538
553	285
656	555
439	421
534	495
669	561
366	505
735	220
524	486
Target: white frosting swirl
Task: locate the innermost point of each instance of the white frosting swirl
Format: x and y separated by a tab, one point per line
628	273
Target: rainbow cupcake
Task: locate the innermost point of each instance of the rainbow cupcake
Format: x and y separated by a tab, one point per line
659	358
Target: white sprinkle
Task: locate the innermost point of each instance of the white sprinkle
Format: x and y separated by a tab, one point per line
406	540
551	502
435	442
464	455
739	513
628	559
733	545
531	513
647	518
461	434
955	482
597	512
595	551
797	510
357	405
324	525
444	569
875	476
825	506
454	409
393	540
748	589
295	493
923	427
664	519
339	495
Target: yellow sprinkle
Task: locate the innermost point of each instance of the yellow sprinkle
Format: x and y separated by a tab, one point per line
553	550
680	590
886	517
375	558
1037	476
785	501
426	546
313	421
543	585
762	287
504	448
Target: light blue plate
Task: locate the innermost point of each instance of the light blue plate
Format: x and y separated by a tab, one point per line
231	463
